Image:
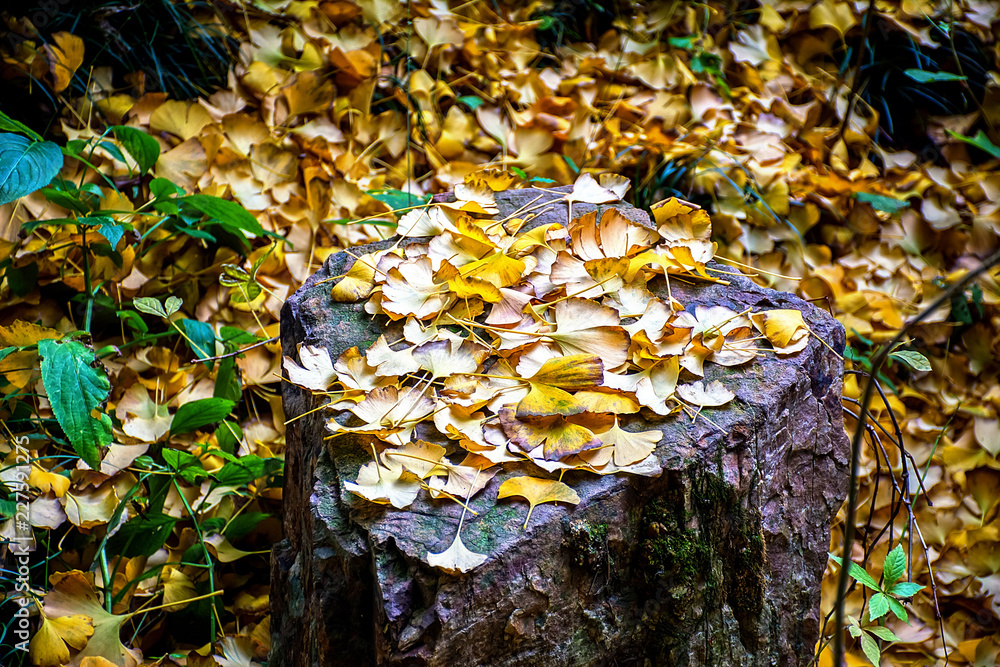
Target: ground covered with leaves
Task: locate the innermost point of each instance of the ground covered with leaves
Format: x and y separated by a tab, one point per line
844	152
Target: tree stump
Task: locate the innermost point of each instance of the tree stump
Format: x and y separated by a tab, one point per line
718	561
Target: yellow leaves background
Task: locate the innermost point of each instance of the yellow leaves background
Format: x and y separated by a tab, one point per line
329	102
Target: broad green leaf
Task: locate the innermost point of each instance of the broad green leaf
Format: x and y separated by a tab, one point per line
883	633
229	435
881	202
914	360
243	524
7	350
144	149
397	199
22	279
236	337
227	381
246	470
192	416
682	42
923	76
77	384
202	339
897	609
26	166
878	606
116	152
148	305
871	649
980	141
172	305
470	101
163	188
227	212
894	565
142	536
906	589
179	460
8	124
859	574
113	233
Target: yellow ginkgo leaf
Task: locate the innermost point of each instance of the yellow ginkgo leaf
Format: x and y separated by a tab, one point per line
572	371
784	328
64	56
543	400
629	447
390	485
606	401
457	558
559	438
177	588
421	458
536	491
709	395
50	645
358	282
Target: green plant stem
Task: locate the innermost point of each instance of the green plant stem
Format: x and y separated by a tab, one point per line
86	281
208	556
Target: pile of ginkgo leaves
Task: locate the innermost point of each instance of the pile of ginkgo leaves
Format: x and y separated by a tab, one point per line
545	374
340	117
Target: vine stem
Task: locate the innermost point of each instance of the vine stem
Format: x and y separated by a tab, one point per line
858	436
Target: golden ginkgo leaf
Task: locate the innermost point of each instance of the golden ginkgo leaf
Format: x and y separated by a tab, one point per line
49	646
629	447
572	371
390	485
457	558
537	491
710	395
358	282
784	328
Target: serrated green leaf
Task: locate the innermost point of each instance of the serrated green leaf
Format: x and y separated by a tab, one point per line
172	305
870	648
914	360
883	633
144	149
229	213
112	232
878	606
148	305
906	589
26	166
980	141
859	574
77	384
881	202
894	566
923	76
194	415
897	609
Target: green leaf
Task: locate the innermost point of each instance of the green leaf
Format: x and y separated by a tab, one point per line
897	609
980	141
187	465
878	606
142	536
162	188
859	574
470	101
7	350
77	384
236	337
883	633
113	233
682	42
144	149
134	321
227	381
22	280
148	305
894	566
881	202
871	649
116	152
26	166
923	76
914	360
906	589
8	124
397	199
229	435
202	337
246	470
572	165
172	305
228	213
243	524
194	415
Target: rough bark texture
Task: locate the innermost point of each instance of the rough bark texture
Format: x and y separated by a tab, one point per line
716	562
